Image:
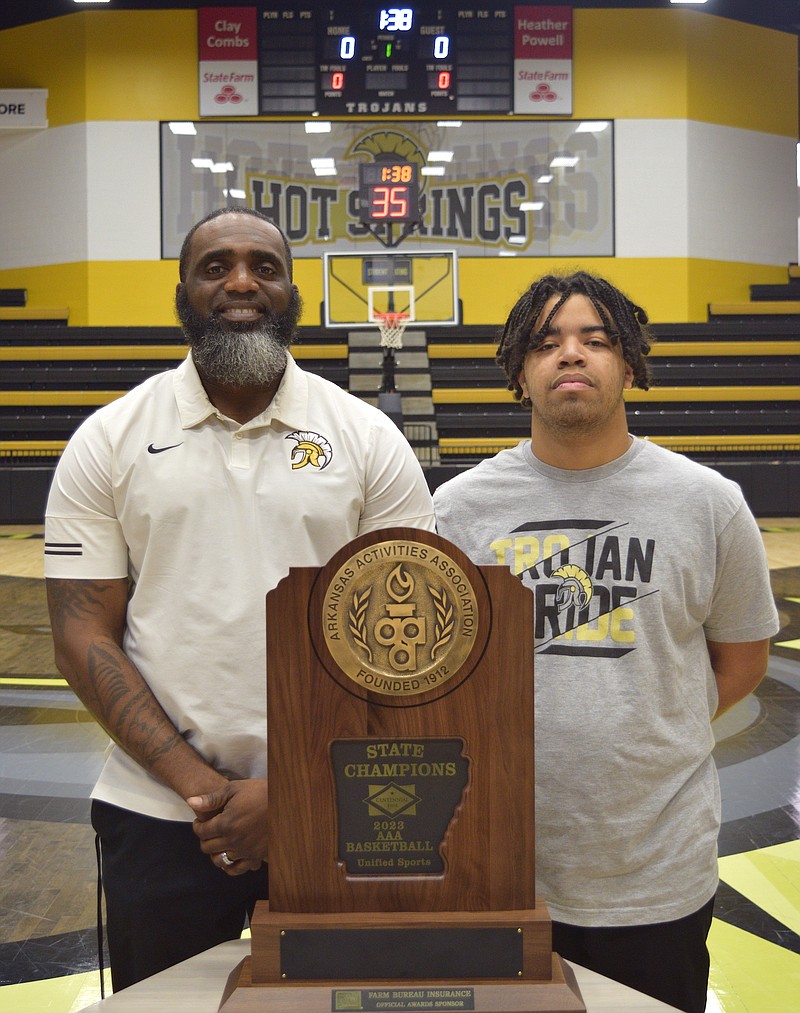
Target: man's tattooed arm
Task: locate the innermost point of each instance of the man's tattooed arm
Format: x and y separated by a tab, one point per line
88	621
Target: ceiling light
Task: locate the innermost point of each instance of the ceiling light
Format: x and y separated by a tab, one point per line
448	123
591	127
203	163
222	167
90	1
687	1
508	253
517	240
531	205
183	128
318	126
547	178
324	166
440	156
568	161
238	194
432	170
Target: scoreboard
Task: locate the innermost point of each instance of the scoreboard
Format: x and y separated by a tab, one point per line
368	59
388	191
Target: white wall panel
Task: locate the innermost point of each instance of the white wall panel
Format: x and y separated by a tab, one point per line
124	213
690	189
742	195
651	188
43	197
87	191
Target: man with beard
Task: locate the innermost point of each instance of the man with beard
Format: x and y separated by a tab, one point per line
172	513
652	613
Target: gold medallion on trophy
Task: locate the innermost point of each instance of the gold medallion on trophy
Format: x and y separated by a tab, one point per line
400	618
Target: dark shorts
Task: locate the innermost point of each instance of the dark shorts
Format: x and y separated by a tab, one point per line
165	900
668	960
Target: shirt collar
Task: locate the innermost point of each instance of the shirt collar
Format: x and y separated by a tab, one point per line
289	406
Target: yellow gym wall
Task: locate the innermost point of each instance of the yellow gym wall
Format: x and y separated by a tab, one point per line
646	64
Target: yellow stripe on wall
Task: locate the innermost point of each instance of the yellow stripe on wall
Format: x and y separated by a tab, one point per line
676	64
132	293
736	73
671	289
107	65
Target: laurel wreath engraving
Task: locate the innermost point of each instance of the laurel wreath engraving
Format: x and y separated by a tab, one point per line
358	621
444	620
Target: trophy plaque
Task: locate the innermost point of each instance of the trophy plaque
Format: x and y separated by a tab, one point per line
400	759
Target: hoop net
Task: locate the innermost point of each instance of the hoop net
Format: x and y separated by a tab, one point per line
392	326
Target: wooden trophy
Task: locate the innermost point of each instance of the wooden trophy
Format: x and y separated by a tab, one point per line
401	791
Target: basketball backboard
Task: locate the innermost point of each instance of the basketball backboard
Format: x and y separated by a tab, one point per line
361	287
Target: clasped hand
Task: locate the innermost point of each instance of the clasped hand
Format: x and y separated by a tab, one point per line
232	821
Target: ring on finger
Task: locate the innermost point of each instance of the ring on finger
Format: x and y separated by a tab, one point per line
226	859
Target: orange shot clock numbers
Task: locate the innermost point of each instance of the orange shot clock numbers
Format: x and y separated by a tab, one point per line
388	192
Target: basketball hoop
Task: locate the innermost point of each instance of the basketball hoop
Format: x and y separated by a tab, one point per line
392	326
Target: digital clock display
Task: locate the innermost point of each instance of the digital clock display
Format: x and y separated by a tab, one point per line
365	59
388	192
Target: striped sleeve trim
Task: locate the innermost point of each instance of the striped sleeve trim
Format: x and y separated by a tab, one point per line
63	548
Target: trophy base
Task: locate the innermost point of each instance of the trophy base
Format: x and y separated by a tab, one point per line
355	962
559	994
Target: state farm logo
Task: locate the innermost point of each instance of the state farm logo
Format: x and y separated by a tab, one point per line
543	93
228	94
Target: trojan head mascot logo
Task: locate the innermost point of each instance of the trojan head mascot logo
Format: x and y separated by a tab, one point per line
312	449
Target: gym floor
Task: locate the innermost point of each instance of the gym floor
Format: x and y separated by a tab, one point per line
51	751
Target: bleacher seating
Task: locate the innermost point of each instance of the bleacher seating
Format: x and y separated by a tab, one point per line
726	392
47	389
52	377
765	301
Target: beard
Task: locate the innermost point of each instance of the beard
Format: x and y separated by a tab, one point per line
574	416
239	353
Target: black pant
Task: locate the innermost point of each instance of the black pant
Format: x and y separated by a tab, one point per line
668	960
165	900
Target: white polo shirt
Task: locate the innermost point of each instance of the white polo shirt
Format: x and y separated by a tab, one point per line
206	516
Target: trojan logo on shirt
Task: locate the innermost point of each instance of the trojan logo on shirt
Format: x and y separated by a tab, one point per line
310	449
586	576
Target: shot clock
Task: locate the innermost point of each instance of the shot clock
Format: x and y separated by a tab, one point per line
388	191
369	59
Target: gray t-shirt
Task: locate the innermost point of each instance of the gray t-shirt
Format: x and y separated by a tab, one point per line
633	565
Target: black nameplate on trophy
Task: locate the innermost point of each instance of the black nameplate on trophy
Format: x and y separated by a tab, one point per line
395	799
399	954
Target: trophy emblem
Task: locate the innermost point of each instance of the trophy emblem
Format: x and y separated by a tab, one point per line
400	618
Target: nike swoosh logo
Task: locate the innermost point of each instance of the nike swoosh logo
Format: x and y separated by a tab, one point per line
152	449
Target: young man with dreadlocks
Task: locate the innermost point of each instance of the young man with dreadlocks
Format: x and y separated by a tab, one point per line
652	616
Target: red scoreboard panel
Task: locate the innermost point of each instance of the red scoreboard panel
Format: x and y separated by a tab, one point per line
368	59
